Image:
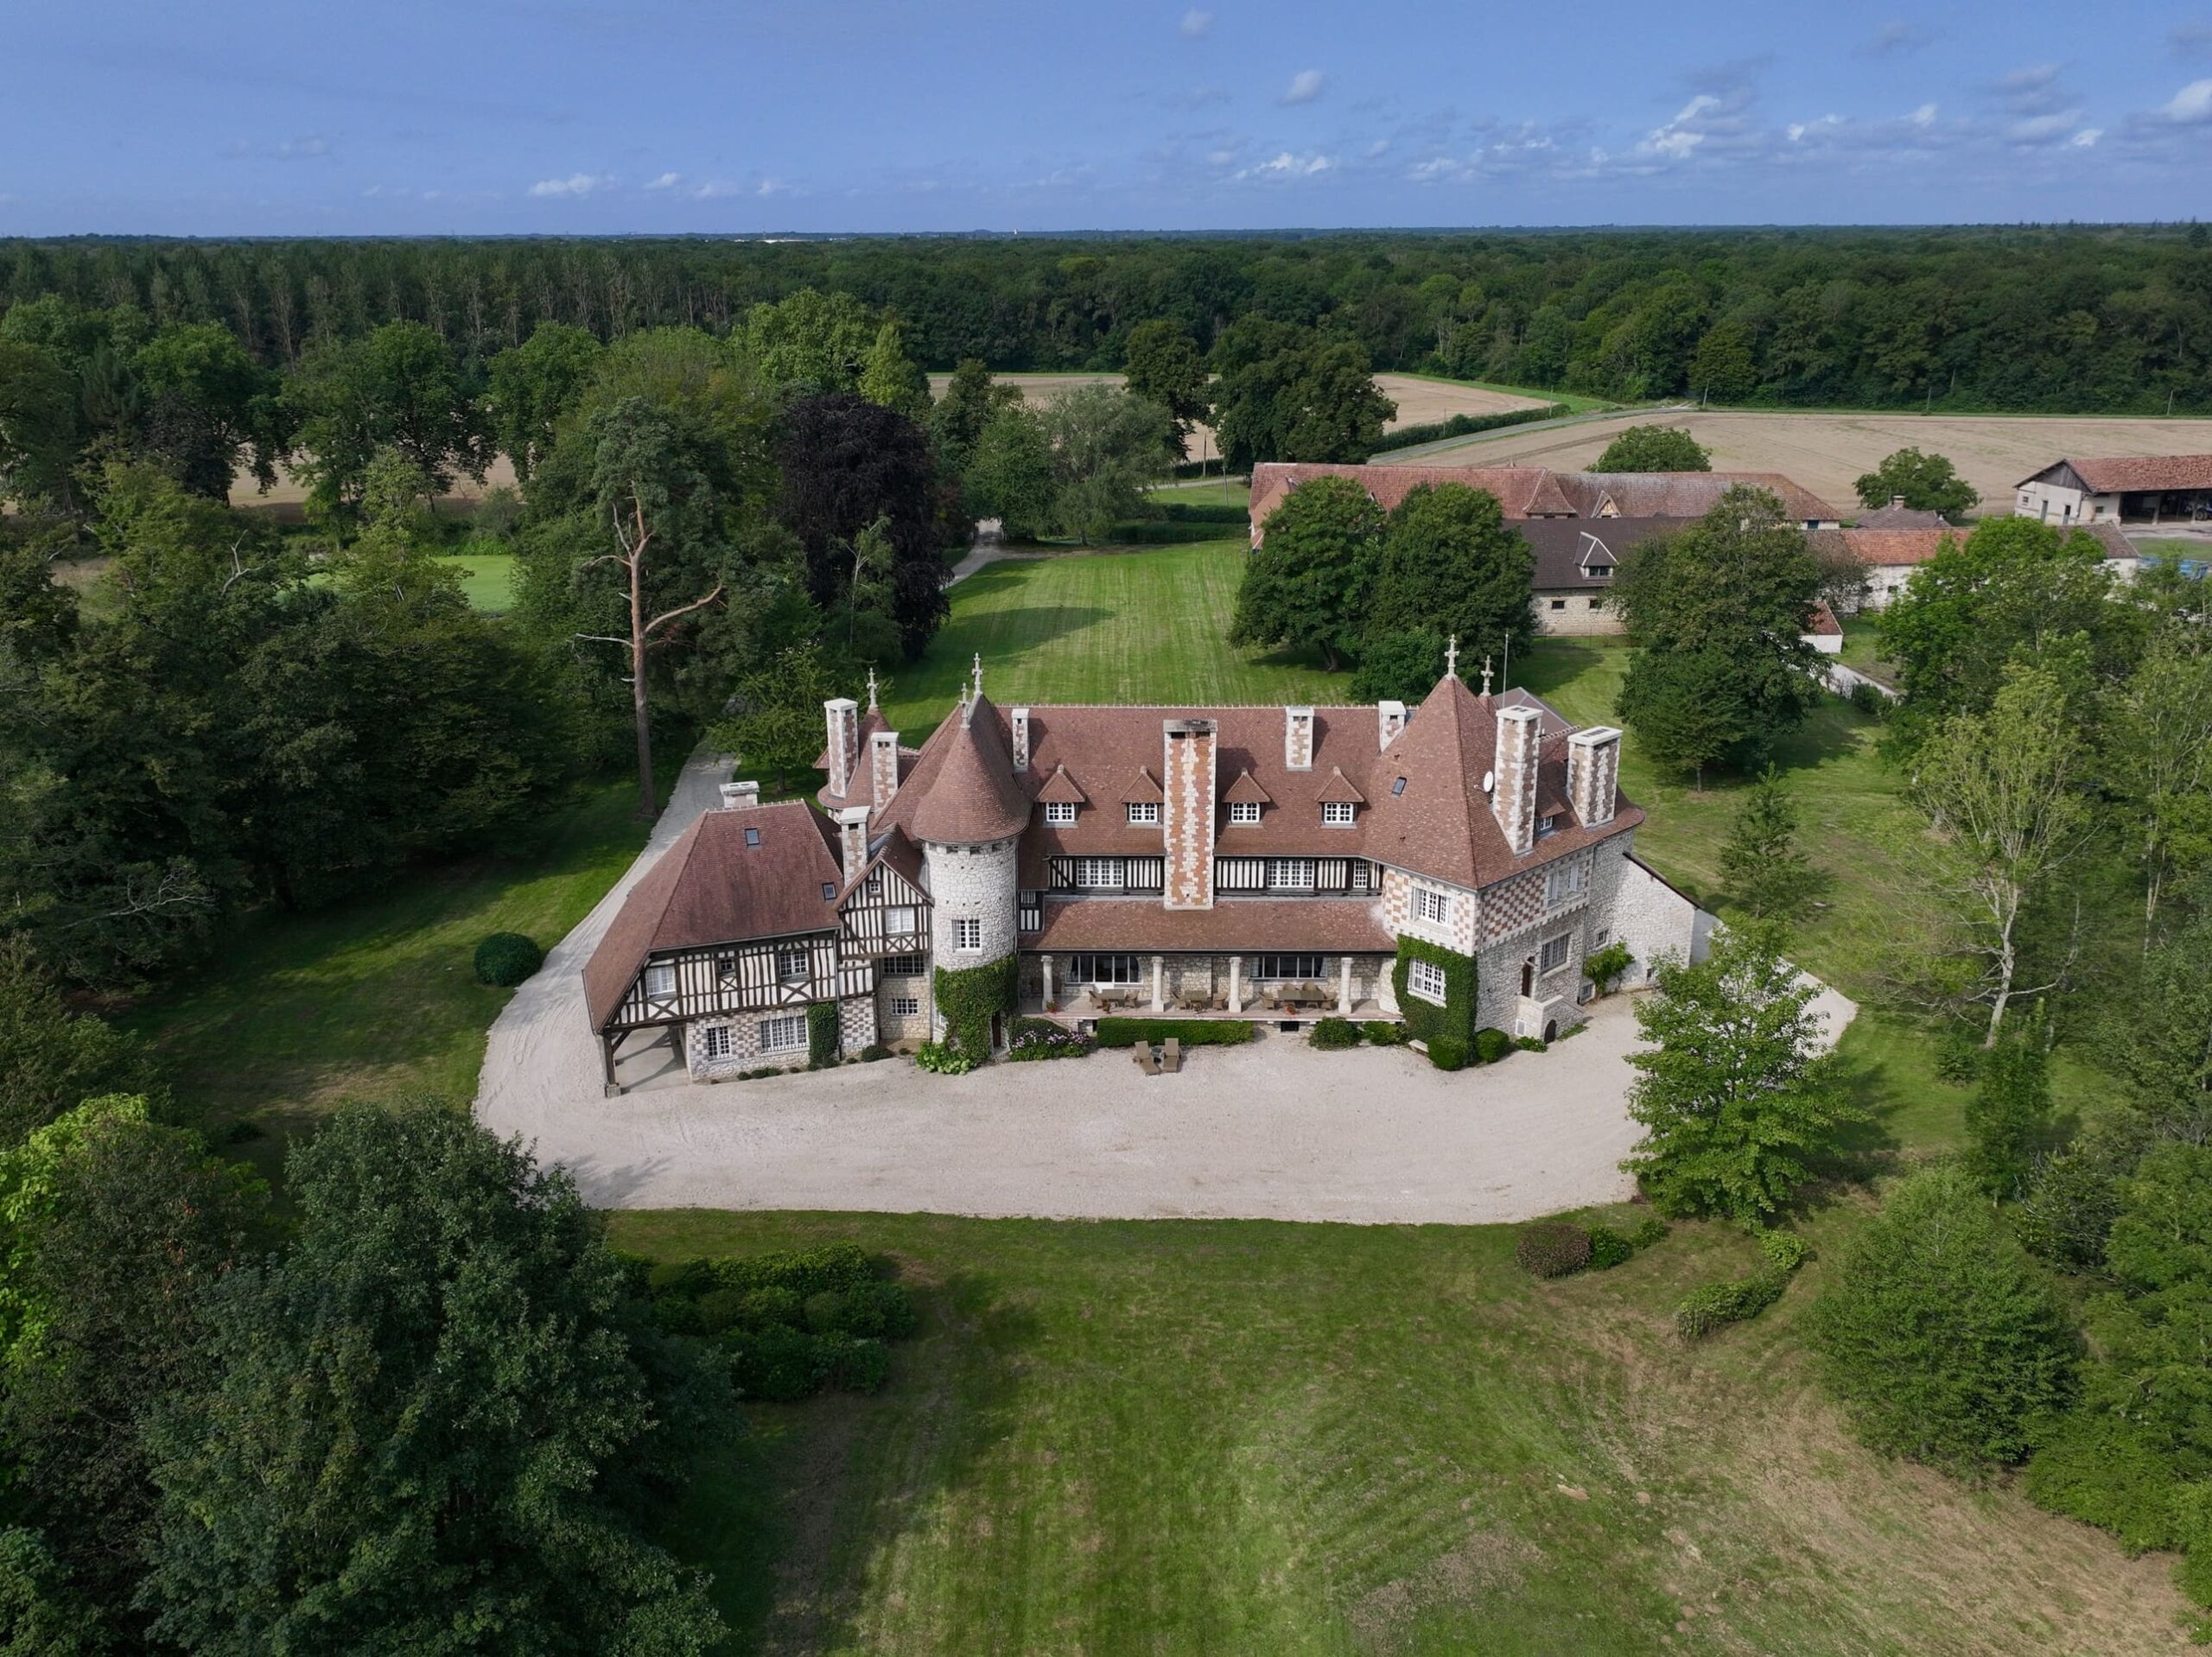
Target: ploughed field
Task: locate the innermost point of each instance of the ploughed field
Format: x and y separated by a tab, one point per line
1235	1438
1827	452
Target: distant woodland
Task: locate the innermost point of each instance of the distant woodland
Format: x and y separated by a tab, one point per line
2072	320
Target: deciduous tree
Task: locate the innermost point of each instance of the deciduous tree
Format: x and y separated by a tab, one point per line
534	386
1307	586
1289	393
1449	564
1107	447
1926	483
1654	448
1164	365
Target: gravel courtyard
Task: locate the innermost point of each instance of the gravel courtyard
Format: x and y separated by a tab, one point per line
1271	1131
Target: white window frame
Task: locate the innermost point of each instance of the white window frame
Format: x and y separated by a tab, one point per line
1058	813
901	920
905	1006
1562	946
968	935
1098	873
1432	907
794	963
1338	814
1425	978
1296	874
660	980
1144	813
784	1033
1243	810
718	1041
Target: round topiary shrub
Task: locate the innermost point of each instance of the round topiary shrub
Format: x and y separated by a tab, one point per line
1335	1033
1447	1052
1491	1045
1552	1249
506	958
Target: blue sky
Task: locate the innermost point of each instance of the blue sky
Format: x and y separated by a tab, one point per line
227	116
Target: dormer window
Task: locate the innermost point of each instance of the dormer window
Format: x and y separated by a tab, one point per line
1548	824
1058	813
1599	572
1144	812
1246	811
1337	814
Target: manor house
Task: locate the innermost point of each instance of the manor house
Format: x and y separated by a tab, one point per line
1247	862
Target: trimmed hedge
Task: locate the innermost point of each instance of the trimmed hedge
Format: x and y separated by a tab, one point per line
1426	1022
1150	532
1193	1032
822	1032
1461	425
505	959
1703	1311
968	996
1381	1032
1447	1053
1186	511
792	1321
1334	1034
1491	1045
1552	1249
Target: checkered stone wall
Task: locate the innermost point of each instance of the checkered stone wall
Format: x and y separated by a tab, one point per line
745	1052
1513	904
1458	933
856	1022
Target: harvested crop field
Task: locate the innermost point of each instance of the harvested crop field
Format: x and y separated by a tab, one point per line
1827	452
286	501
1420	400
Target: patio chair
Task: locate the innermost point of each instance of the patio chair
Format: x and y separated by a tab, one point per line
1171	1059
1268	1000
1141	1052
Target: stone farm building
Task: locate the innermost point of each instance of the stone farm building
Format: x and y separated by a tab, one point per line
1887	558
1189	861
2129	489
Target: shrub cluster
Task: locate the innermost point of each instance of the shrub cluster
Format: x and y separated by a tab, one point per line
1553	1248
1041	1038
1609	1248
1193	1032
1447	1052
1460	425
505	959
1869	701
942	1059
1704	1309
1150	532
1334	1033
1491	1045
1187	511
793	1322
872	1052
1382	1032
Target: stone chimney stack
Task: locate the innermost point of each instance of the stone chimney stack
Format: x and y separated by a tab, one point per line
843	714
1593	769
1898	501
1513	796
852	841
1298	738
741	797
1390	720
882	769
1186	815
1019	719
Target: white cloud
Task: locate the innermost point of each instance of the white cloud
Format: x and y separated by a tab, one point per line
2044	129
1286	165
2191	106
1380	147
576	184
665	182
2087	137
1923	116
1304	86
1195	24
1798	131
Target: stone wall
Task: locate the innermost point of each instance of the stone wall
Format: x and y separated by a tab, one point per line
1398	914
971	884
745	1052
1574	618
1655	921
856	1022
892	1027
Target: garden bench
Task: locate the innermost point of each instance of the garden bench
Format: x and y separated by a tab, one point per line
1141	1052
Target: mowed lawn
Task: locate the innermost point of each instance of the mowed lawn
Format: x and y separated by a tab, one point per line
1218	1438
487	579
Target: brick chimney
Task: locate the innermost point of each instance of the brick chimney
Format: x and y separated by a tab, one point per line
1186	815
1513	794
882	769
1593	769
852	840
1020	720
1898	502
1298	738
741	797
1390	720
843	714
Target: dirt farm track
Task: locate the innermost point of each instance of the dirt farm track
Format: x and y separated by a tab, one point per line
1827	452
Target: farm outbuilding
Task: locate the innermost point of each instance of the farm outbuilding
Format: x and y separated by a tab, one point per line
2128	489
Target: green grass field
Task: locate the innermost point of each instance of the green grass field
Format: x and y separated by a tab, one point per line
487	579
1862	639
1217	1437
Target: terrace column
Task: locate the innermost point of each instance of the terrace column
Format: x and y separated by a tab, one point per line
1159	976
1046	962
1344	993
1235	989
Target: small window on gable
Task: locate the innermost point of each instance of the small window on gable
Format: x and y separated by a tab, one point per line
1060	813
1433	906
725	971
1144	811
1243	810
1546	823
1600	572
752	836
1336	813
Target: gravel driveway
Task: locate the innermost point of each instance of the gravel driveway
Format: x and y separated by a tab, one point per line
1271	1131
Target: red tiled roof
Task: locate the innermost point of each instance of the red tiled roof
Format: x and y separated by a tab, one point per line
1327	924
1246	791
711	887
1680	494
2120	474
1338	791
1521	491
1060	789
1894	516
1821	623
1907	549
962	785
1142	788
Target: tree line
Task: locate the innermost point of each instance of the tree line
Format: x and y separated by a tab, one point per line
2028	318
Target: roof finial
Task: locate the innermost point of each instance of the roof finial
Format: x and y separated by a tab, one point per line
1451	658
1485	676
979	673
871	690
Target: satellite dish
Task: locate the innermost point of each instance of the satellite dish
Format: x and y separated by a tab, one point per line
1489	781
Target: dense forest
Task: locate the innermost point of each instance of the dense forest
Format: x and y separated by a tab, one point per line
2048	319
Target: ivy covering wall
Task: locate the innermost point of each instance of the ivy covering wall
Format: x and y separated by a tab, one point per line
1455	1021
968	996
822	1032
